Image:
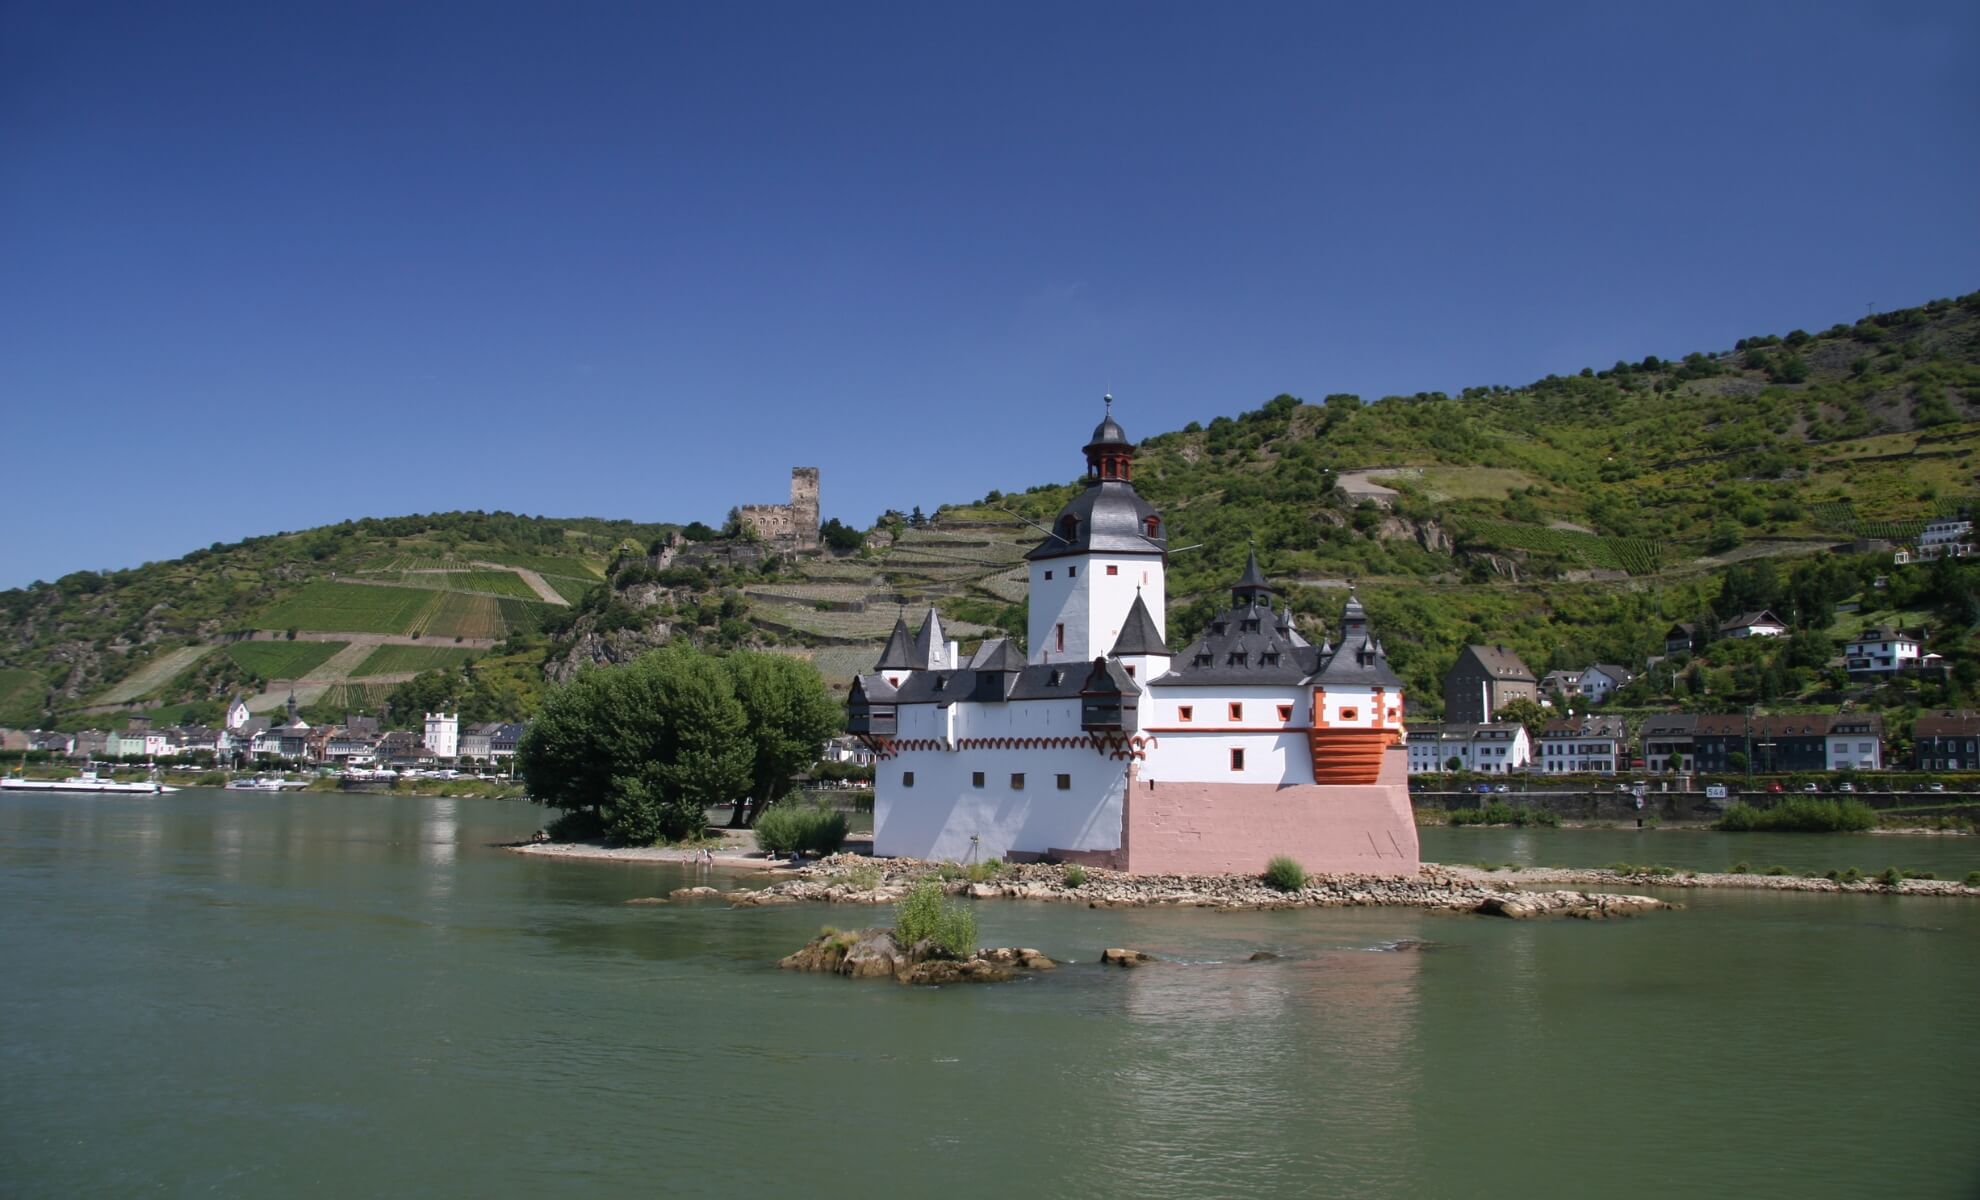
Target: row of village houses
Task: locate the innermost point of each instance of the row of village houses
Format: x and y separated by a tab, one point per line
357	741
1687	743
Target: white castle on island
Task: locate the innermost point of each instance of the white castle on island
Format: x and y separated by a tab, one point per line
1104	747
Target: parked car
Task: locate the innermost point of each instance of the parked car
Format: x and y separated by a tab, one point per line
1810	787
1935	787
1775	787
1484	789
1845	787
1504	787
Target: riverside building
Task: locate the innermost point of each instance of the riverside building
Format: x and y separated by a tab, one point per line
1102	745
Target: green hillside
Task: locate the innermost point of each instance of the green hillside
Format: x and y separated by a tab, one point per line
1573	518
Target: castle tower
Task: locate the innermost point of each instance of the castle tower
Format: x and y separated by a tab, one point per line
1106	545
804	507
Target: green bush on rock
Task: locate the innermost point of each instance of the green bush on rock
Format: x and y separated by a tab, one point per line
1284	875
927	913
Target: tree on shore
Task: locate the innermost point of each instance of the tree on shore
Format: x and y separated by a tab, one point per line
642	749
789	717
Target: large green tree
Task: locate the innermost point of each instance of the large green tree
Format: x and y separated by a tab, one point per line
790	716
645	747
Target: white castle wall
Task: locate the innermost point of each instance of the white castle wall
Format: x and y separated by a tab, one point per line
1090	603
1199	750
938	816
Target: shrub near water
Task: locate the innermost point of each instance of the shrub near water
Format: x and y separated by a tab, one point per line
1800	814
790	827
1500	813
1284	875
926	912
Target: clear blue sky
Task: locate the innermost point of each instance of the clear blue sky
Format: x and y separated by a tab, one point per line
270	265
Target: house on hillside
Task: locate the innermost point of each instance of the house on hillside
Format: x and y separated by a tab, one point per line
1484	679
1667	742
1948	536
1882	650
1946	740
1560	683
1602	680
1753	624
1681	638
1583	744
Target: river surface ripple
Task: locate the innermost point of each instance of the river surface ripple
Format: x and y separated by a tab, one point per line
243	995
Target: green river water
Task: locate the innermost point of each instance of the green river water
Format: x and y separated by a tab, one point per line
248	995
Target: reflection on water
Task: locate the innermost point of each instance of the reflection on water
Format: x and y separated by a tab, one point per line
365	991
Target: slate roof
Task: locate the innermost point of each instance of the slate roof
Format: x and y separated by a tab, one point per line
1108	432
1250	645
1108	516
1043	681
899	652
1587	727
1669	725
1881	633
1763	617
1614	672
997	654
1138	633
1946	723
929	645
1499	662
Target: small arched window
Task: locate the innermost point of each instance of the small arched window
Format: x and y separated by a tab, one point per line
1069	527
1152	526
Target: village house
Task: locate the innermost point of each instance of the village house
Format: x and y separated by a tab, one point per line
1753	624
1496	749
1483	680
1856	742
1882	650
1769	744
442	734
1946	740
1946	537
1602	680
1581	745
1681	638
1667	742
1559	683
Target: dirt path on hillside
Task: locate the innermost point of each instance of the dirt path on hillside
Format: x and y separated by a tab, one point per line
373	640
534	580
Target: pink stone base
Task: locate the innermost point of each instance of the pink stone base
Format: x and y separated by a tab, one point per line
1236	828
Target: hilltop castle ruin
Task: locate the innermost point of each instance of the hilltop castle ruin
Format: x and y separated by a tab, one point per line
792	526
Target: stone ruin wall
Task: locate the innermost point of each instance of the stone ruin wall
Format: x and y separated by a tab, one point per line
792	526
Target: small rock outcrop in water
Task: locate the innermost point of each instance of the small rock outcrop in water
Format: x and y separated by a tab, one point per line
1114	956
1586	905
874	954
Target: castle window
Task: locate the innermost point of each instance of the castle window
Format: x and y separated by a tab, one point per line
1069	527
1185	712
1202	660
1249	625
976	779
1065	783
1152	526
1130	670
1237	711
1350	714
1059	636
907	779
1270	658
1017	781
1048	574
1237	760
1234	659
1285	712
1072	572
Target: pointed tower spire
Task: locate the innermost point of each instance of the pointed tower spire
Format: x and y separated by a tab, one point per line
1138	633
899	653
1251	586
931	649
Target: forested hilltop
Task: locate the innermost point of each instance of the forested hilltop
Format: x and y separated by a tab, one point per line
1574	519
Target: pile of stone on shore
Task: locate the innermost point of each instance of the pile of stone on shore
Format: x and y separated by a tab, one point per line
856	879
